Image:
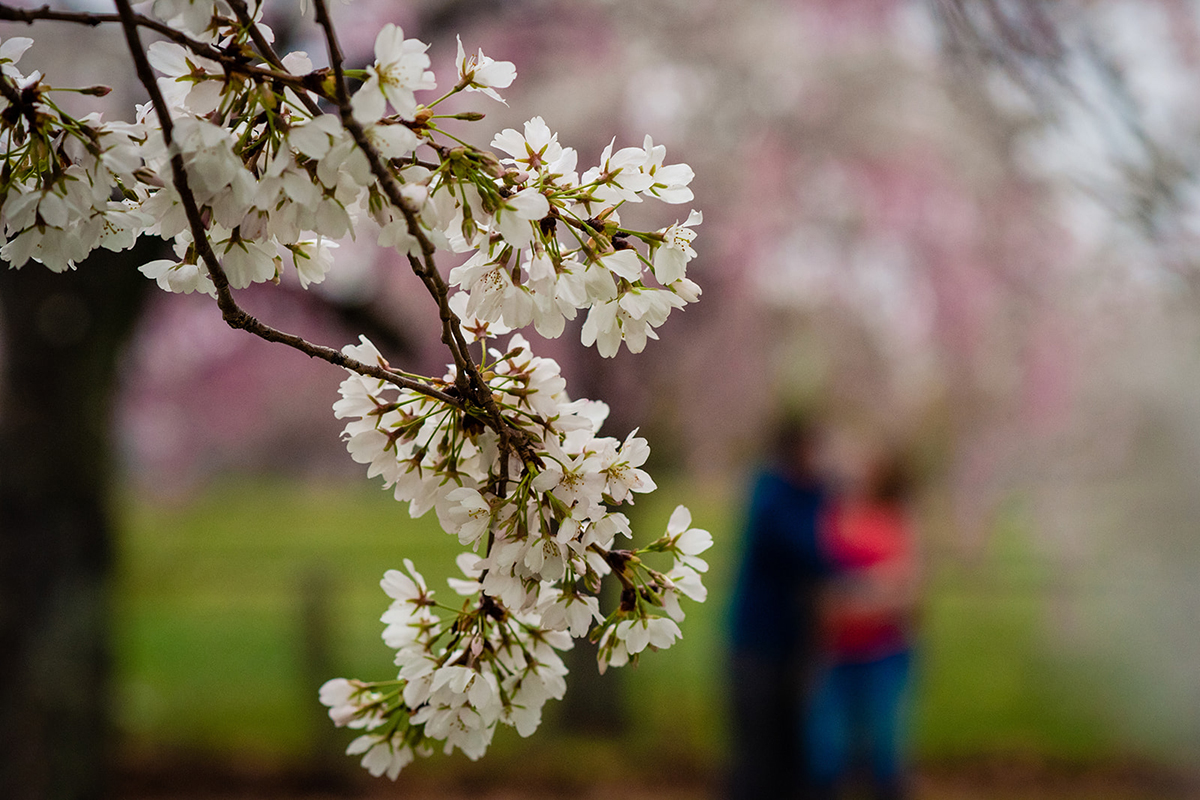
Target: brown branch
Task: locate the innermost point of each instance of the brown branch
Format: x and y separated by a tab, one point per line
424	267
468	378
256	35
336	59
30	15
264	48
232	64
233	314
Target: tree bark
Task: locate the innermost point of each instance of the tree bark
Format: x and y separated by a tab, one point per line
62	336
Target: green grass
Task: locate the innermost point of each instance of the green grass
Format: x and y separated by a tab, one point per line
211	607
990	678
211	600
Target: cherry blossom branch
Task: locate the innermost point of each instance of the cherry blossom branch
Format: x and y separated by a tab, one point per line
470	383
264	47
31	15
256	35
468	378
231	312
231	63
425	267
336	58
447	445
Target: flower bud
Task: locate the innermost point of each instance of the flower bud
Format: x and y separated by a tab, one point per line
515	177
422	116
490	164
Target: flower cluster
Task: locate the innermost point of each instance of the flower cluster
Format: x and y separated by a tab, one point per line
58	175
561	247
275	180
254	165
540	544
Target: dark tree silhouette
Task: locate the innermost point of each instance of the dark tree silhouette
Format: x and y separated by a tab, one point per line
62	336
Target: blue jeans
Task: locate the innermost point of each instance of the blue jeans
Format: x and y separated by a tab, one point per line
856	720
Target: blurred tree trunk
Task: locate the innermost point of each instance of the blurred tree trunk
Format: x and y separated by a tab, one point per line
62	335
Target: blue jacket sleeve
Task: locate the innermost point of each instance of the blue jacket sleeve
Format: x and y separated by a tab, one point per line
780	563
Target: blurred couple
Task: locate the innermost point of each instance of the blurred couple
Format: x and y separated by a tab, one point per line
822	624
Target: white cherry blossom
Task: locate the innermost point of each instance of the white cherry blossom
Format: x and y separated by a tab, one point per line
672	257
623	263
668	183
350	703
468	515
313	260
400	70
687	542
534	150
517	216
622	468
247	261
11	50
571	612
619	177
180	278
192	83
382	756
193	16
482	74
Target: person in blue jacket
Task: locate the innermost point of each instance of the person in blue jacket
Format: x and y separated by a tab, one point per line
773	619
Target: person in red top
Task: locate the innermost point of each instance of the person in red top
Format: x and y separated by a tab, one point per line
856	718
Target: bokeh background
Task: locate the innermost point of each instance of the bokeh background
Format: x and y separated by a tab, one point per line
969	227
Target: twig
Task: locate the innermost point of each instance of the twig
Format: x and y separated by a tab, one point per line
468	378
424	267
232	313
302	83
264	48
